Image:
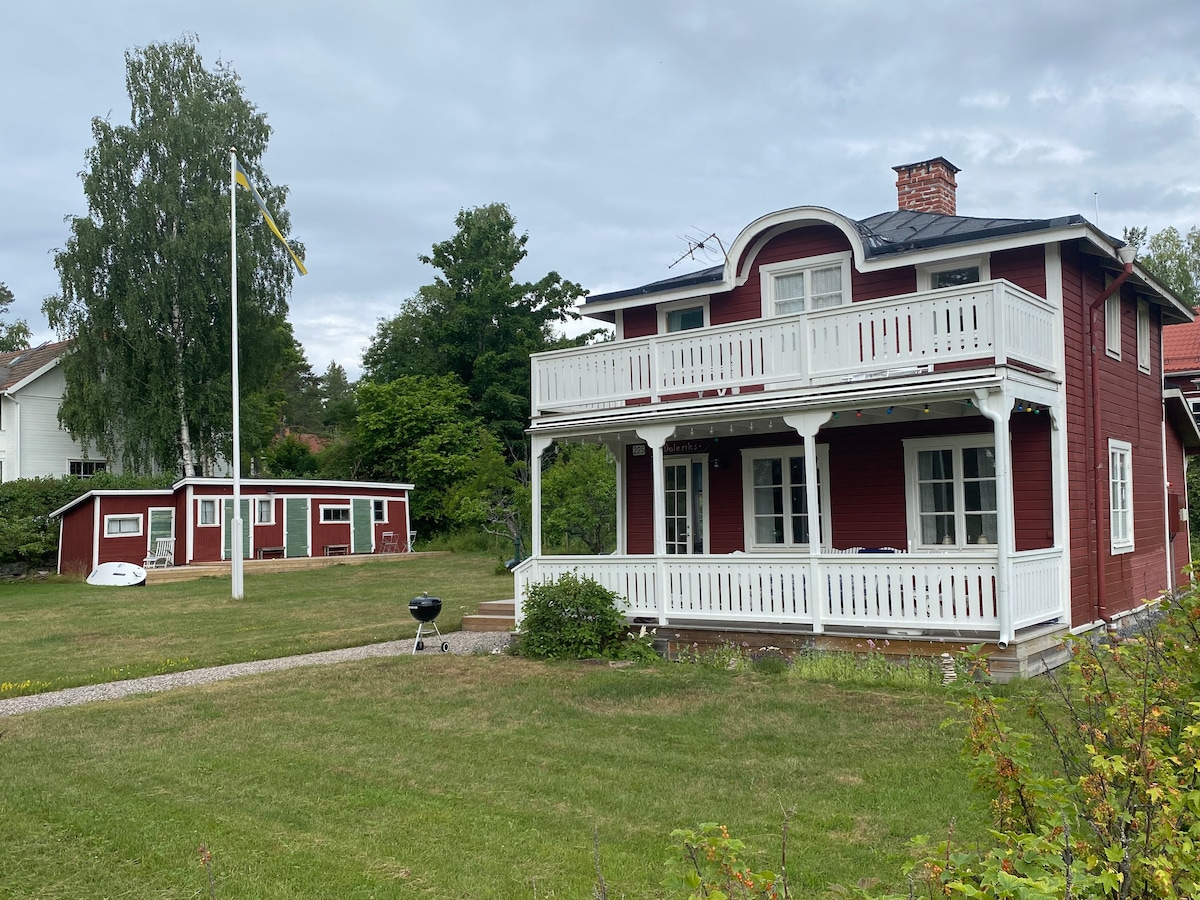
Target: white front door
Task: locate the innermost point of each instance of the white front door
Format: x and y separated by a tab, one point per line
685	483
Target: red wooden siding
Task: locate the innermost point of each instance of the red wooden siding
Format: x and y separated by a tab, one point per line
131	549
866	484
1024	267
78	537
1131	410
1033	484
640	321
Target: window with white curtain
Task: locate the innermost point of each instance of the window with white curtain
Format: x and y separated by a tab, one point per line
952	491
777	515
1120	496
804	285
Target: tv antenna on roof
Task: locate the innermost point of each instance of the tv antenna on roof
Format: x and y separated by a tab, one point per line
706	247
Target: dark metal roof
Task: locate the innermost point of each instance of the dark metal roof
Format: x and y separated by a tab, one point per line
902	231
895	232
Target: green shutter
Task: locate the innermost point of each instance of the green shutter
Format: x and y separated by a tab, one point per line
247	551
295	526
360	526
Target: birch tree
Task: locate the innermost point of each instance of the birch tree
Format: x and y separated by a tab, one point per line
14	335
145	274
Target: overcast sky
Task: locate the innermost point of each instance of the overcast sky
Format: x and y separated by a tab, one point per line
611	129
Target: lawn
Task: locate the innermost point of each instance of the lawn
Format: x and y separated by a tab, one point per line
467	777
61	633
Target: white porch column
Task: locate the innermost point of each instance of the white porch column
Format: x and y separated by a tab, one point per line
617	449
656	437
807	424
997	406
537	446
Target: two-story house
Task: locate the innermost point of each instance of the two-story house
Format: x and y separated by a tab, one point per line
32	442
916	426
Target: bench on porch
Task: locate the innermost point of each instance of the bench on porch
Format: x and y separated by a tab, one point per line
270	553
337	549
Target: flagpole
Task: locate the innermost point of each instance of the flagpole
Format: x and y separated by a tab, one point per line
235	539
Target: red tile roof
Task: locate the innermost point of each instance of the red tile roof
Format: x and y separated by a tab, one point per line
17	365
1181	348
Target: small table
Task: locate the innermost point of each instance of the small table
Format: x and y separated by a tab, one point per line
337	549
270	553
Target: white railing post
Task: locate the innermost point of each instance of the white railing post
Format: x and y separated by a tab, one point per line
1000	335
807	424
656	436
997	406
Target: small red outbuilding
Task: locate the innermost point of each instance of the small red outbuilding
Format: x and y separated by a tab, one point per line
280	518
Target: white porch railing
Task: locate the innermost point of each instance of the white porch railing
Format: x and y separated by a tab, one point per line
911	592
993	322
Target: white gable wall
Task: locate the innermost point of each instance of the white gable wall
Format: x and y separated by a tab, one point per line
32	443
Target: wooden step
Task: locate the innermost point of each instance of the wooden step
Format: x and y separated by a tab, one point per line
493	615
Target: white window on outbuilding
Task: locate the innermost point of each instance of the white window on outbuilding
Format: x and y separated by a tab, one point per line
123	526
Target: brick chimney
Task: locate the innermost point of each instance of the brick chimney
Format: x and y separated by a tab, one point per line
927	186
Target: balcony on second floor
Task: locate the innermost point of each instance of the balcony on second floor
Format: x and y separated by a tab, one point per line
991	323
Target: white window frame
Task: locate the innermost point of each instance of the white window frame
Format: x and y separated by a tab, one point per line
706	507
258	508
784	453
912	492
675	305
770	273
926	272
212	504
1120	497
377	504
327	508
136	517
1112	321
1143	336
84	463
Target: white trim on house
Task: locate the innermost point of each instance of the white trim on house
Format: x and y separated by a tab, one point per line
324	508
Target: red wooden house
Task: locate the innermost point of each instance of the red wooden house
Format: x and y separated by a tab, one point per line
974	408
280	518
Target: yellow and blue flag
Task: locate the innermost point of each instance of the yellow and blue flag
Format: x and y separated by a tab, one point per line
244	180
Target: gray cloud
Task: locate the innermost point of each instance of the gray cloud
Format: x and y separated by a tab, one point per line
611	128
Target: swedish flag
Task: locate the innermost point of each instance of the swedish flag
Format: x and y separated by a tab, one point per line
244	180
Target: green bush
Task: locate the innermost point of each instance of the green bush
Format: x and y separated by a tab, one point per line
27	533
575	618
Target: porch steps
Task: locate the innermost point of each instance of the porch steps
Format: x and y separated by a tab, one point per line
493	615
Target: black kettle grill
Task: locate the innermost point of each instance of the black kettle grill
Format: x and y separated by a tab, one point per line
425	609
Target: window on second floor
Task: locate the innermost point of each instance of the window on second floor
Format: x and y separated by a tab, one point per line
86	468
1112	324
683	315
1143	336
953	273
805	285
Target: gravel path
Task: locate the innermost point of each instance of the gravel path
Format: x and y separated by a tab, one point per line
462	642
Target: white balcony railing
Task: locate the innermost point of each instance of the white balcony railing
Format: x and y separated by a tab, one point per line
992	323
936	593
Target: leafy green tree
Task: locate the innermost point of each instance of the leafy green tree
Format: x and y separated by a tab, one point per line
420	430
579	497
1171	257
290	458
145	274
477	322
495	495
15	335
